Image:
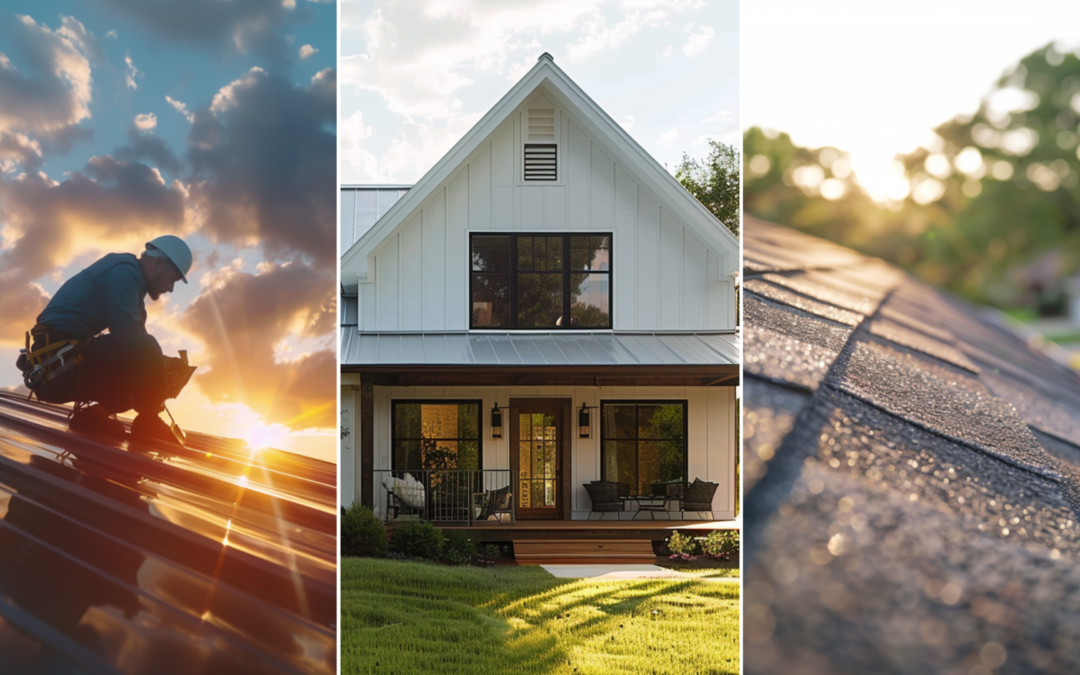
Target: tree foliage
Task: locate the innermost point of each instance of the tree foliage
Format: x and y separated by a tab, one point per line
714	182
993	211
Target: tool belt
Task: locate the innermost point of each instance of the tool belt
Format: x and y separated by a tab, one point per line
51	355
177	373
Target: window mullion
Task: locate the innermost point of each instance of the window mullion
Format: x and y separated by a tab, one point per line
513	281
566	282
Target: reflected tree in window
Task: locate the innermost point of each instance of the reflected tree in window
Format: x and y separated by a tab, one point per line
541	281
643	443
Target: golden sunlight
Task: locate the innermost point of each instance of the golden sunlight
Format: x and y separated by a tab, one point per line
262	435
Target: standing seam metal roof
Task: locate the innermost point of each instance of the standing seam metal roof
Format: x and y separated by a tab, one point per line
538	349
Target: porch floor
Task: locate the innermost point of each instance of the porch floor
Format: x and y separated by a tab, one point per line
652	530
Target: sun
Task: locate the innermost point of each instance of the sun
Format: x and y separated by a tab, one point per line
262	435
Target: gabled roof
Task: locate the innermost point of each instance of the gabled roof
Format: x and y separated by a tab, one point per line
631	156
912	474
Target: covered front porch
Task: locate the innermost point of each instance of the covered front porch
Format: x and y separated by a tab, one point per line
528	440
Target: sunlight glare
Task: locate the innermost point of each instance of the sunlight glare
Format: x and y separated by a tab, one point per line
970	163
266	435
880	175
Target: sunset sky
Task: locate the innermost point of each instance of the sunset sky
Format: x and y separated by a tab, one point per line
125	119
417	75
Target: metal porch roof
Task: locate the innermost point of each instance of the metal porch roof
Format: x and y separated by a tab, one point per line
539	349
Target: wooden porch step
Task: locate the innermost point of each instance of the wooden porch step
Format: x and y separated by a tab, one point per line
577	551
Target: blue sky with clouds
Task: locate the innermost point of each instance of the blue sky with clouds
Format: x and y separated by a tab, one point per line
124	119
417	74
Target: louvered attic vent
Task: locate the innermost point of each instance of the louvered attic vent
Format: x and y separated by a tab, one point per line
540	148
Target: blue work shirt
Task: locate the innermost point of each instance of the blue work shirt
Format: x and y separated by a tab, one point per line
108	294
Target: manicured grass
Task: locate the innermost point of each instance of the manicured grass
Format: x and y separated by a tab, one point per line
401	618
723	570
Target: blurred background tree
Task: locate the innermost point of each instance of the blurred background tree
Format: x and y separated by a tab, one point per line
992	204
715	182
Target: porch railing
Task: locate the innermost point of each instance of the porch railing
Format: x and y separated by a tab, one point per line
443	495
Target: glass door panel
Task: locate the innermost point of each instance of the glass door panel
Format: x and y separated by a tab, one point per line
537	444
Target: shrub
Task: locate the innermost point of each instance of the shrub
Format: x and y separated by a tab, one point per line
681	545
417	540
488	553
722	544
458	549
362	534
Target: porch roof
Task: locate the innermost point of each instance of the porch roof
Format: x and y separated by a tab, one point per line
538	349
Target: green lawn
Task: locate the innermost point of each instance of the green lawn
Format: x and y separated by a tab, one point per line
402	618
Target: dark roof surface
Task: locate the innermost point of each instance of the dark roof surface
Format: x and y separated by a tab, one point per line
209	559
911	471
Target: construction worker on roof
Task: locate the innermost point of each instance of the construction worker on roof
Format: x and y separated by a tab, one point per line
70	359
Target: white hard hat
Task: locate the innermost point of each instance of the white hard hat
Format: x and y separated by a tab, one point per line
174	249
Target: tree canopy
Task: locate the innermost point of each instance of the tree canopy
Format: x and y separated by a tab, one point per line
714	182
993	210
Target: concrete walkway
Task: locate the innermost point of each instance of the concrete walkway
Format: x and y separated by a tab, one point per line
622	573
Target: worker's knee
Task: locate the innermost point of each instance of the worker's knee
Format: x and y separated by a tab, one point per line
147	345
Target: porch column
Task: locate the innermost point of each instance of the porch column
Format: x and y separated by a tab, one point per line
367	442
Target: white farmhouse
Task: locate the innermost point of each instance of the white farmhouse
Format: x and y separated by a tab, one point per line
547	308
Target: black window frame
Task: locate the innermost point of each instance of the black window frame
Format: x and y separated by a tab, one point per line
479	403
639	403
566	273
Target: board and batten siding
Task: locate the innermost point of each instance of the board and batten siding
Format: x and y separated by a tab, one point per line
664	276
711	446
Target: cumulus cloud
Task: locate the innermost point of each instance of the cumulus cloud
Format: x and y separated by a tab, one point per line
698	41
720	116
416	150
237	26
307	50
51	94
668	138
420	56
241	316
180	108
146	121
598	36
415	55
358	163
151	149
19	150
130	72
111	203
263	157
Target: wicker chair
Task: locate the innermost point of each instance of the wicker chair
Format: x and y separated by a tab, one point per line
698	497
605	497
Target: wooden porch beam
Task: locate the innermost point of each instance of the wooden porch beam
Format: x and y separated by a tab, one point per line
367	442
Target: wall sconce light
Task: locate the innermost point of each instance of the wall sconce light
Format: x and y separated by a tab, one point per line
496	421
583	422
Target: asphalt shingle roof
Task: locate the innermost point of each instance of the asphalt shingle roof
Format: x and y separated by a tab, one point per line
912	475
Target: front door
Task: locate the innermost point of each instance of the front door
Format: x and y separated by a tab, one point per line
538	442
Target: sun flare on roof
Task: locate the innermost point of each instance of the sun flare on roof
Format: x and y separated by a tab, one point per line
263	435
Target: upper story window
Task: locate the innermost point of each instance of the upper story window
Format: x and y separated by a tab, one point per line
541	281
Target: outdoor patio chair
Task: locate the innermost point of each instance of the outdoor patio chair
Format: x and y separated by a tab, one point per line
495	504
396	507
698	496
605	496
